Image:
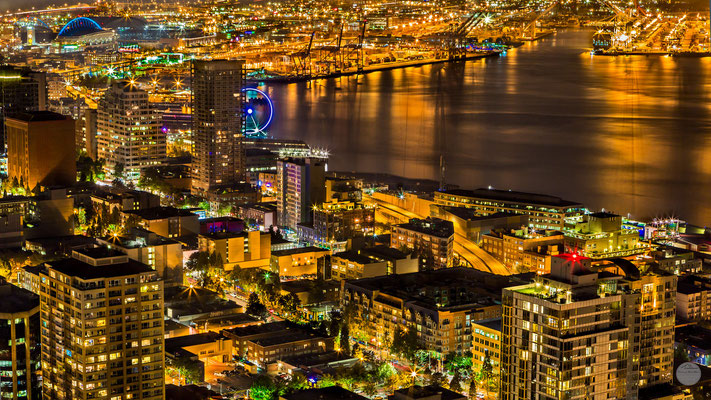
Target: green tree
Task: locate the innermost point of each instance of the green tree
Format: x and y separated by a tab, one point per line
436	379
456	383
297	382
384	371
263	388
370	389
681	353
290	304
344	339
405	343
89	170
80	216
316	292
327	380
255	307
487	368
188	369
119	171
459	362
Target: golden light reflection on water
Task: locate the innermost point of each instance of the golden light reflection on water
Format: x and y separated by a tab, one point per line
631	134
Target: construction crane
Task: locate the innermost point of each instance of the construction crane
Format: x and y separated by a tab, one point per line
302	59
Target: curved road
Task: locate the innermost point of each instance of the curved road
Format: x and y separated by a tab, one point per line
465	248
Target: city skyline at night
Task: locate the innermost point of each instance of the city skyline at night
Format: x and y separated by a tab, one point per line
345	199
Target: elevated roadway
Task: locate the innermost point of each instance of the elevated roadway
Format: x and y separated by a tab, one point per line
463	247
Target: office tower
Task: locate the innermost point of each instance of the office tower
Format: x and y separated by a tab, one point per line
40	149
20	90
128	131
102	328
19	344
300	186
218	123
577	333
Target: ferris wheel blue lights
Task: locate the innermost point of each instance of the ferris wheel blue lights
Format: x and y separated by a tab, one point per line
259	111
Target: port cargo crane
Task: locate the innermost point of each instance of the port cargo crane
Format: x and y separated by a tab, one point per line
302	59
531	26
456	39
330	54
361	48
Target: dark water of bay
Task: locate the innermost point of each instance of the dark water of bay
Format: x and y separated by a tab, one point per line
631	134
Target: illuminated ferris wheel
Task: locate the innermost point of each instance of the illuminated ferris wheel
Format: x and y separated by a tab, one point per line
258	112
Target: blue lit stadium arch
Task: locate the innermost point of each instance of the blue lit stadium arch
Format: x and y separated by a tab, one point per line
80	26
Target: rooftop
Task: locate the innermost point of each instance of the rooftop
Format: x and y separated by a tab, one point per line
138	238
427	392
82	270
327	393
311	360
603	214
265	206
288	336
430	226
693	335
226	320
354	256
16	299
465	287
224	235
273	333
176	343
99	252
471	214
189	392
385	252
304	285
154	213
300	250
252	152
39	116
259	329
512	196
491	323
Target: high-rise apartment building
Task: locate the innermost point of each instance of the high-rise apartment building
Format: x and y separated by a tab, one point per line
20	90
128	134
102	328
439	305
40	149
19	344
218	124
577	333
300	186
